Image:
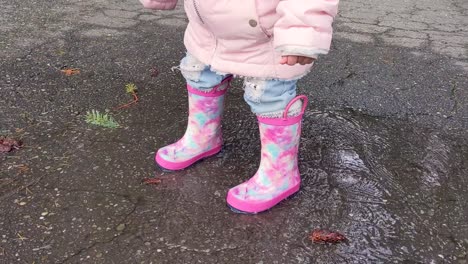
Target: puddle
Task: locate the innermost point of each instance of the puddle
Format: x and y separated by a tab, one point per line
396	190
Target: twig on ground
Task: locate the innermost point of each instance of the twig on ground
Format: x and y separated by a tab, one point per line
131	89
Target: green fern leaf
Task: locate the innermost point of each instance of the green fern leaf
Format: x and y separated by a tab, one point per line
96	118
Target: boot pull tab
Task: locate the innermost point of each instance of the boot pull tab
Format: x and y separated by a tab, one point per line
305	101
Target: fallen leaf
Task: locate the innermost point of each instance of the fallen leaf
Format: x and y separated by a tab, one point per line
154	72
325	236
152	181
9	144
4	148
22	168
70	72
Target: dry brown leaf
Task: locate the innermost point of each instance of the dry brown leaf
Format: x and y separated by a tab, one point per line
22	168
152	181
70	72
9	144
325	236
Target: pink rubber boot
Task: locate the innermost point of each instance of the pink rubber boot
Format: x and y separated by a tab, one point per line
203	135
278	175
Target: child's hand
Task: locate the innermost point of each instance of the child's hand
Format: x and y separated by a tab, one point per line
292	60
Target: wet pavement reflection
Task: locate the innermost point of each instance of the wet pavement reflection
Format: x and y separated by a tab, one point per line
396	190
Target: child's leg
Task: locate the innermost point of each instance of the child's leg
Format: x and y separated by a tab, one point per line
198	75
278	174
203	137
269	98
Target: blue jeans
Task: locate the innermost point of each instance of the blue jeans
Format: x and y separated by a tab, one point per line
265	97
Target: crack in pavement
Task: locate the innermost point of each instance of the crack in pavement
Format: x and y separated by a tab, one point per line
116	236
206	251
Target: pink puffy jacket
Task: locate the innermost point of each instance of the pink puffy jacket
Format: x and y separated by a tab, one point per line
248	37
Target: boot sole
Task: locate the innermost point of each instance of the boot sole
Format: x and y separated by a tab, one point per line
168	166
263	207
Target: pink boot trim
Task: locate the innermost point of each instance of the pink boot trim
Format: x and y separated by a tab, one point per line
173	166
260	206
285	120
216	91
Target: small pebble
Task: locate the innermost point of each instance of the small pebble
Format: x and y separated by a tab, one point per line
120	227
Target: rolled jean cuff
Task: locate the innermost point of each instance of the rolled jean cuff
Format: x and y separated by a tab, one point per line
198	75
269	98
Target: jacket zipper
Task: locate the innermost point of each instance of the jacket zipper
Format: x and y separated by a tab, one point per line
197	11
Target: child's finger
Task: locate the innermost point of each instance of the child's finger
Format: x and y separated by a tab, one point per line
284	60
308	60
292	60
302	60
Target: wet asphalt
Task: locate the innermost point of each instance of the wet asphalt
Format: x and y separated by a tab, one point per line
383	154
